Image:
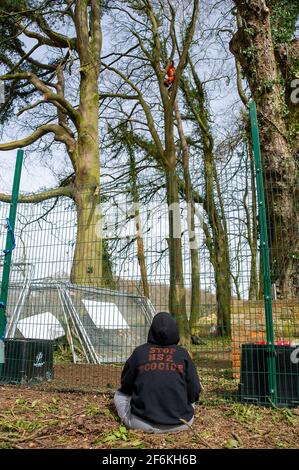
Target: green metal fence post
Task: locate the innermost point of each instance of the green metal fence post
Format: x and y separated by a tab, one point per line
264	252
10	242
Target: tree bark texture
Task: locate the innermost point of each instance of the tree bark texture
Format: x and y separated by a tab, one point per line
253	47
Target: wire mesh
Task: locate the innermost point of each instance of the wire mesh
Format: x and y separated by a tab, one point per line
88	278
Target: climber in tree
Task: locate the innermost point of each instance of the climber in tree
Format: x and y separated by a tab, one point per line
170	76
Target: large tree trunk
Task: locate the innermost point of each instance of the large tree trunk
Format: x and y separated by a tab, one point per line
138	223
87	262
88	258
253	46
177	297
220	250
140	253
223	288
193	245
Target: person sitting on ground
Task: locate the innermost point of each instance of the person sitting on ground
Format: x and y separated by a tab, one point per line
159	382
168	82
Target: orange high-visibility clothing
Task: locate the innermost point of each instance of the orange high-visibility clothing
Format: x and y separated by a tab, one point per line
171	73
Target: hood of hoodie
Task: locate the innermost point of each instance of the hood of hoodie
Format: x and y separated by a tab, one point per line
163	330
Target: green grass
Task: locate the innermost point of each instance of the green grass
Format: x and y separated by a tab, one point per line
284	414
93	409
19	425
120	438
248	414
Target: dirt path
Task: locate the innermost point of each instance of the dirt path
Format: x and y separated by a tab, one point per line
43	419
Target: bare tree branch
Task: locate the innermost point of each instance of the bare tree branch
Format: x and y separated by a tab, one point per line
39	197
59	132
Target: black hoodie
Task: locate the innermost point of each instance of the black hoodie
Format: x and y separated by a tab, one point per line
161	376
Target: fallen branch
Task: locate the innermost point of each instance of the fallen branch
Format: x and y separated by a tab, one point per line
205	443
238	439
25	438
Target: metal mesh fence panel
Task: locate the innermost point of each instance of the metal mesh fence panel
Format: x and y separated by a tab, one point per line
87	279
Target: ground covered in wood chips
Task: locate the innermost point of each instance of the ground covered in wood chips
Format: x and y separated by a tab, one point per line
31	418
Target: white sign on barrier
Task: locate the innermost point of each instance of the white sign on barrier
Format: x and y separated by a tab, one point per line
105	315
41	326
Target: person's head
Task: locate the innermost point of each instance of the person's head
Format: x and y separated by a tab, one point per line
163	330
